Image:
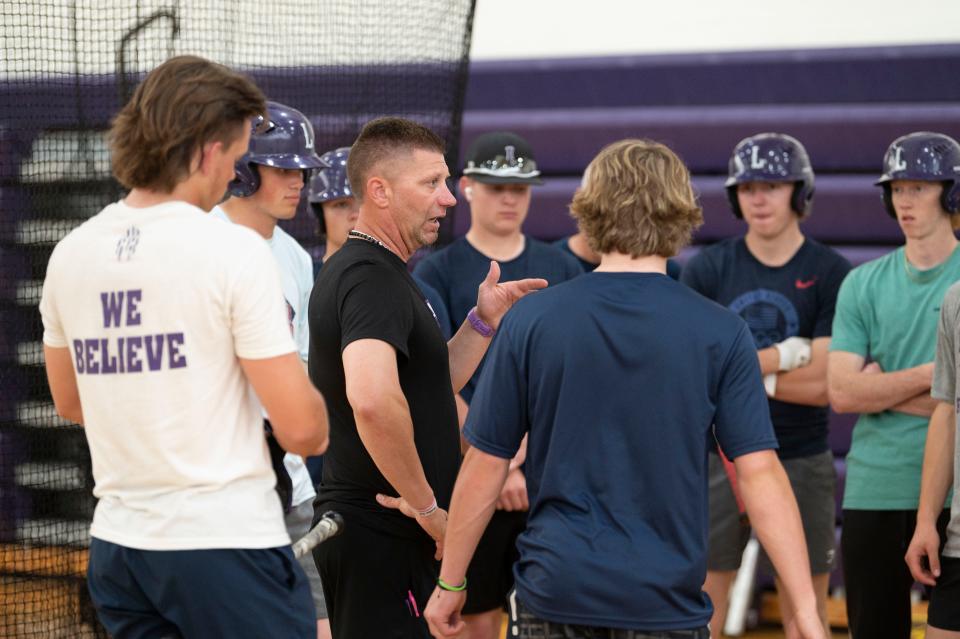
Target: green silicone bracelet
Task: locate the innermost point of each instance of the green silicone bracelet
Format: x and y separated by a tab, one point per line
445	586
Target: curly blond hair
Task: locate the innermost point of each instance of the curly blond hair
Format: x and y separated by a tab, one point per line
636	199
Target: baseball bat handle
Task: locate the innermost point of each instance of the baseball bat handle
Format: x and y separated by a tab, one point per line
330	525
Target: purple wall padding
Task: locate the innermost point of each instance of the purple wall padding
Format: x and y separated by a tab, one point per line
841	431
848	138
845	105
815	76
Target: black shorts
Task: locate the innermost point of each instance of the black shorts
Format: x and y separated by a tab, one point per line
490	575
944	611
376	584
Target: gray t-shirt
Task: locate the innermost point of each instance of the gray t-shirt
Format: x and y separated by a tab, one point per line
944	388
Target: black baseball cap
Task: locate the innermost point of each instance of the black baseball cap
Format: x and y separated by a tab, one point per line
501	157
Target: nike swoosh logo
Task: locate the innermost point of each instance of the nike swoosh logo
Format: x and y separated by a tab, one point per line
805	284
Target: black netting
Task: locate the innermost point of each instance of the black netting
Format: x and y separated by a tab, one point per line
65	67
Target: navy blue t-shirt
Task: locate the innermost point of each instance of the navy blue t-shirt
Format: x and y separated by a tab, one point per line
796	299
619	379
456	271
673	267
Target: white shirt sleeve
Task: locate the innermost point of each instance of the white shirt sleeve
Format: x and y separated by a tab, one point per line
301	333
258	313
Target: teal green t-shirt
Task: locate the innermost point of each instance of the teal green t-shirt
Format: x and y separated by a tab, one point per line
889	311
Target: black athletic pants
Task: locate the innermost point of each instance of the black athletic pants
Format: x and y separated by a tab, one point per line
878	582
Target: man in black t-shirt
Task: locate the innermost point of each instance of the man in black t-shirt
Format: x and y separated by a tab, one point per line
785	286
377	352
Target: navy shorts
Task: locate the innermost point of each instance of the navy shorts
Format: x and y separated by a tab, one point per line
146	594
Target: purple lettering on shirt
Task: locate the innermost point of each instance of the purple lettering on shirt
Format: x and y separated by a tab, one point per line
154	344
133	313
78	355
134	344
174	342
111	303
90	354
108	362
120	354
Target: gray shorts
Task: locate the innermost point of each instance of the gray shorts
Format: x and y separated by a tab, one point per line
298	523
813	480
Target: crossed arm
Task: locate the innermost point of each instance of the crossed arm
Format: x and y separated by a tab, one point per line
856	388
804	385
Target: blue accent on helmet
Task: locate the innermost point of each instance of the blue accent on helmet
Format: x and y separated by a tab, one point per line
284	139
924	156
771	157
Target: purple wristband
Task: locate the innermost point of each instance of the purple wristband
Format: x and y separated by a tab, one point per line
478	324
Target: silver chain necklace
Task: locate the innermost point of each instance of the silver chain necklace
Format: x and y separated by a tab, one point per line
366	238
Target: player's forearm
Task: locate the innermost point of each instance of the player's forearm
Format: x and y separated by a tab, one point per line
466	348
773	512
307	431
386	430
521	455
63	384
921	405
806	385
769	360
856	392
296	408
937	464
462	409
72	413
475	494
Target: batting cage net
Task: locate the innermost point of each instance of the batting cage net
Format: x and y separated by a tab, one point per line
66	67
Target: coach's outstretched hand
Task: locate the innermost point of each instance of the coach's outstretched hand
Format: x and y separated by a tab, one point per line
494	298
435	524
443	613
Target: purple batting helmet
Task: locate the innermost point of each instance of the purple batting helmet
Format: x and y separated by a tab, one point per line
924	156
771	157
329	182
283	140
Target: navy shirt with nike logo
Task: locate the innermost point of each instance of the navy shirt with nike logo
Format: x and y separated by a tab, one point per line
796	299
